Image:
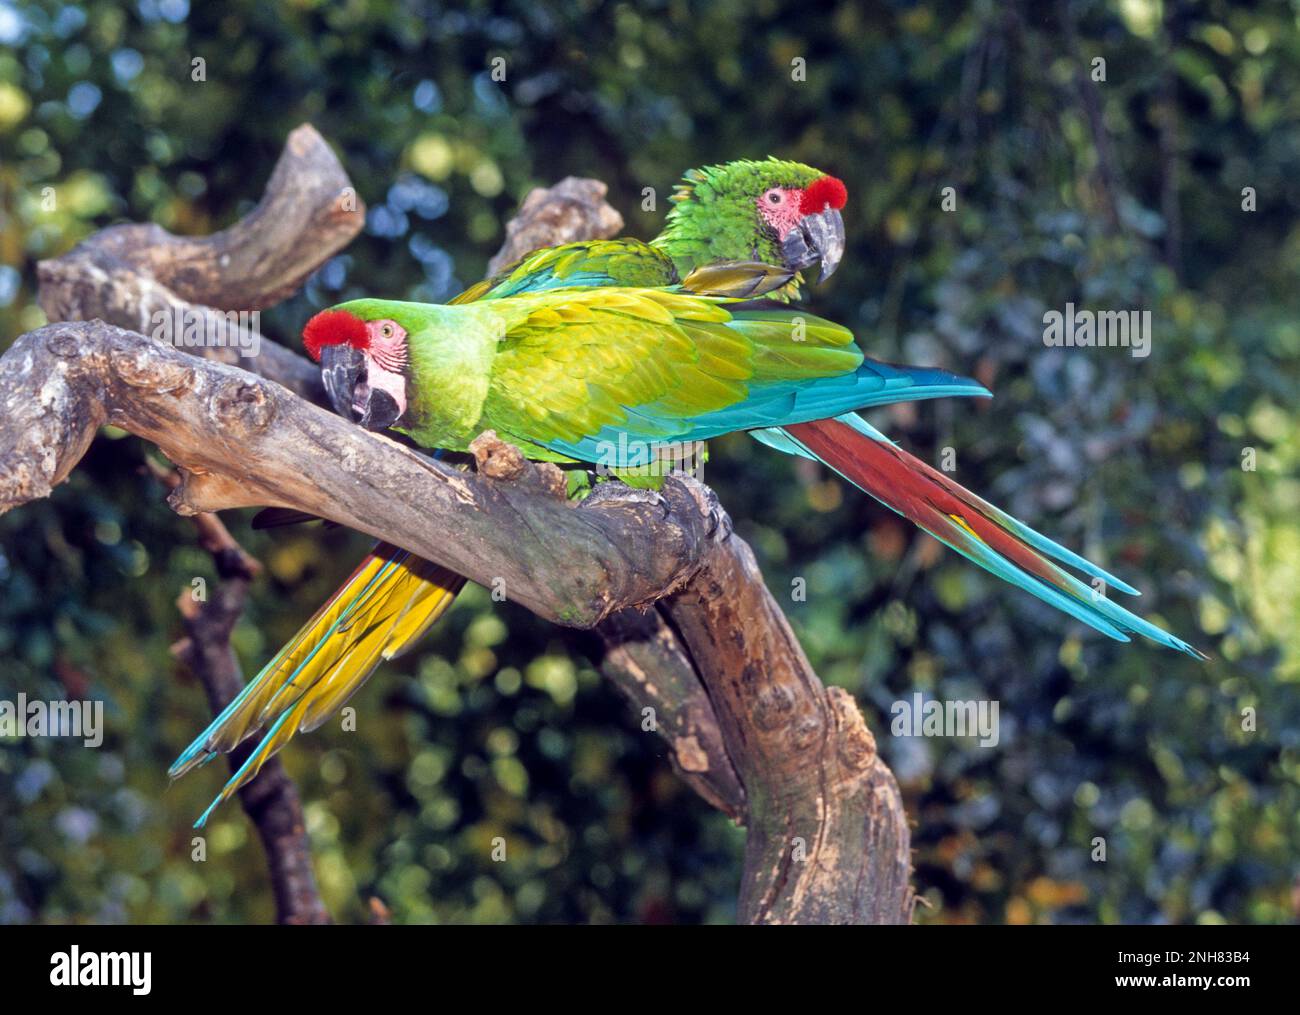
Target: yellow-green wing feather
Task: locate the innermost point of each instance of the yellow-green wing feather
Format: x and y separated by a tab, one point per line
648	361
622	262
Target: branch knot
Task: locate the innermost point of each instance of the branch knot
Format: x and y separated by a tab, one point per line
139	366
64	344
495	458
243	405
773	708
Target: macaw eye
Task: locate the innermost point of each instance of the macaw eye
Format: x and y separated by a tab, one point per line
774	196
386	331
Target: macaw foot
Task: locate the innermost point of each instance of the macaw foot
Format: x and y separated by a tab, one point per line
717	523
611	490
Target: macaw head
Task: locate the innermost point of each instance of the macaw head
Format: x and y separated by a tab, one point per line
364	353
772	211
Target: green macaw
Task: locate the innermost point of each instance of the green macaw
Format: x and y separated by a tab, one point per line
746	228
781	214
599	375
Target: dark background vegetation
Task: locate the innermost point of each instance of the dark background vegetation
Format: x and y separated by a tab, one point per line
1125	194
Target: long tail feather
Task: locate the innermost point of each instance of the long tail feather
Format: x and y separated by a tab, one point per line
971	526
383	609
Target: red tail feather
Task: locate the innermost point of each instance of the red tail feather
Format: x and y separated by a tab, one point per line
918	492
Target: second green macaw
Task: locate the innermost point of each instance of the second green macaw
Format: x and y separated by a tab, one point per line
584	373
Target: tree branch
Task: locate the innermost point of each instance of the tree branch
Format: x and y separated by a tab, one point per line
133	275
647	661
241	441
689	628
270	800
828	838
310	211
574	209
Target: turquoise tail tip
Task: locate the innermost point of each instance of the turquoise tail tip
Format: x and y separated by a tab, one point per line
203	818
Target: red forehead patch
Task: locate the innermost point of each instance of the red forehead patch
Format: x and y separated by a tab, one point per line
823	191
334	327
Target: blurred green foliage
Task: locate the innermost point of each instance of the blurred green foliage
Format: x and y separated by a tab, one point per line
502	727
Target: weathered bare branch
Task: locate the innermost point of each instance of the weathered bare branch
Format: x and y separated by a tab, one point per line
647	661
130	275
690	631
828	839
231	559
242	441
574	209
309	211
271	800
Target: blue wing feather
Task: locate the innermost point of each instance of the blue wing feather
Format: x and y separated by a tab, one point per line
772	405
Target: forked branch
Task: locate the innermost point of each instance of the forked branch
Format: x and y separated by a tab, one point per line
689	627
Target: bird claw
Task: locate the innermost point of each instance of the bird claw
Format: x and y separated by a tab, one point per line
717	523
614	490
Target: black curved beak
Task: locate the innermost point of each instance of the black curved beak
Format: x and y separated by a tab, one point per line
342	368
817	237
381	411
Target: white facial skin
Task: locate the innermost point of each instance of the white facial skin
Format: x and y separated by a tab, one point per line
386	359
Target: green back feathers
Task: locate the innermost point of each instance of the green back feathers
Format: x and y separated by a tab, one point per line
560	366
714	219
715	212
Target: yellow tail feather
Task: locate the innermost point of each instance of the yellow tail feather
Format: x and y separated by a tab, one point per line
381	611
